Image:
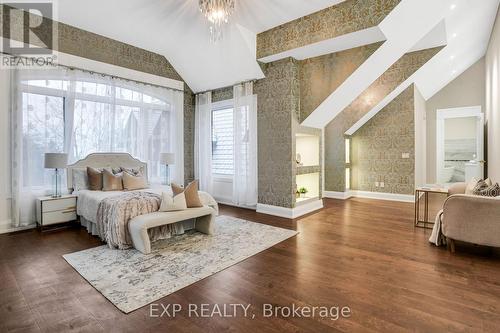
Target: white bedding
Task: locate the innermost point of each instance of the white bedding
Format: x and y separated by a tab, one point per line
88	201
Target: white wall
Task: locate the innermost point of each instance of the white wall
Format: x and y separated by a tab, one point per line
493	102
4	150
308	148
467	89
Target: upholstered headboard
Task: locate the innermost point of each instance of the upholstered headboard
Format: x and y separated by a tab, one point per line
105	160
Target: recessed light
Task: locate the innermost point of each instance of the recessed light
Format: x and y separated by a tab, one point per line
452	7
454	72
454	35
452	57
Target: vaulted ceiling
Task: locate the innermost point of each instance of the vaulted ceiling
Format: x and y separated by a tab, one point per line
177	30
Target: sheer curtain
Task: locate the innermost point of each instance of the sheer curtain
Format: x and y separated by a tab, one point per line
77	112
245	145
203	141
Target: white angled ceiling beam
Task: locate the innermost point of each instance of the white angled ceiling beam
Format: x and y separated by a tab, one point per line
467	31
404	27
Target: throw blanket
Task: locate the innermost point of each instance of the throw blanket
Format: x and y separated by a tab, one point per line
114	214
437	237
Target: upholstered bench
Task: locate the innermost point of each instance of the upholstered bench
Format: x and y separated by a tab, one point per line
138	226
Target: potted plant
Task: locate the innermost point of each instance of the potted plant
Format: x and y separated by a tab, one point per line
303	191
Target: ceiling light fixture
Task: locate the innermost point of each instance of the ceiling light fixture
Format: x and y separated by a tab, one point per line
452	7
217	13
454	35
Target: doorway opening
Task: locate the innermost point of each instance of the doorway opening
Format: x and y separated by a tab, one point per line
460	144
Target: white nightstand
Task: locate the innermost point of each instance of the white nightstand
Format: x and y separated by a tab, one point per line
50	211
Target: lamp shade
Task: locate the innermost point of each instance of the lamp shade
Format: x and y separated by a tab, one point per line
56	161
167	158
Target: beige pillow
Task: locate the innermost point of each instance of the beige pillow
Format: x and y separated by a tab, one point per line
469	190
131	182
172	203
95	179
111	182
191	193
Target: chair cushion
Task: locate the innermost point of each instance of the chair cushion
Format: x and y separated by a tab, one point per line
469	190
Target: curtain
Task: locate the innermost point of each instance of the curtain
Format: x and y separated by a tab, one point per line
245	145
203	141
77	112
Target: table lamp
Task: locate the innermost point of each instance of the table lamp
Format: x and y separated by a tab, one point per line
167	159
56	161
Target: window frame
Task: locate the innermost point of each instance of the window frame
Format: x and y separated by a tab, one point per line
218	106
70	95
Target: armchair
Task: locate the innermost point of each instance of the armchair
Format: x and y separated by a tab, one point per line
472	219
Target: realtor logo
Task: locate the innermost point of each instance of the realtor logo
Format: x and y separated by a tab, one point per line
28	28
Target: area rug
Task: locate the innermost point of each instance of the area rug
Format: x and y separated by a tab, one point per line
130	279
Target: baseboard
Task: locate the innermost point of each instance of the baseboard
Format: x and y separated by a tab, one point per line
337	195
290	213
6	227
229	203
369	195
384	196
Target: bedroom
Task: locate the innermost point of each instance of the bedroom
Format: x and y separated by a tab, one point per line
249	165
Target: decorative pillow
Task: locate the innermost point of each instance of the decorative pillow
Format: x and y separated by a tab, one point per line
172	203
487	191
80	179
131	182
469	190
481	185
94	177
116	170
133	171
111	182
191	193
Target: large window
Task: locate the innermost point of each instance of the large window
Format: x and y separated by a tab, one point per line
222	142
81	113
43	131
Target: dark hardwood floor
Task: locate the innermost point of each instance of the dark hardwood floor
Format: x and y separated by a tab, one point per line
364	254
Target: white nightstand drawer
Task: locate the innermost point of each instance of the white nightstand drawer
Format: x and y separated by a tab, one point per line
59	204
58	217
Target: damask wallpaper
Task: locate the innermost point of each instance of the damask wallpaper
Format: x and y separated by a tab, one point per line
278	103
222	94
338	20
320	76
88	45
377	148
189	107
334	131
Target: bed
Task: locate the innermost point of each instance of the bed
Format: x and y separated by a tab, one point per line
88	201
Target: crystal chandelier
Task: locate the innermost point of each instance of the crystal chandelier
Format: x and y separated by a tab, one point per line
217	13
